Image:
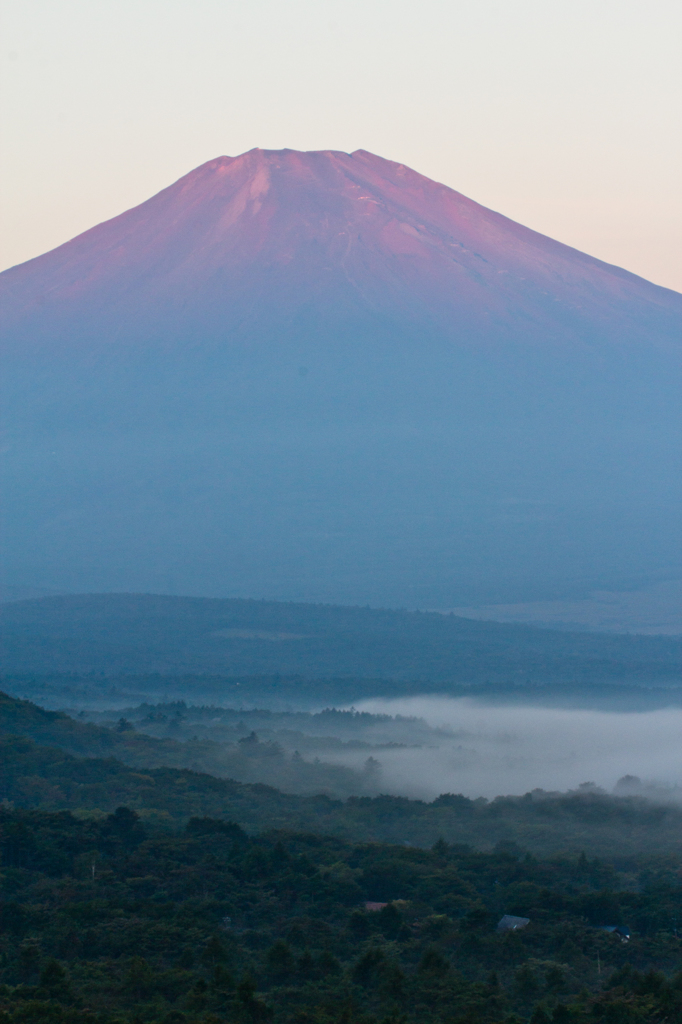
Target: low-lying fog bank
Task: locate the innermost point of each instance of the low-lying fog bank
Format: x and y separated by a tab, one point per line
417	747
493	750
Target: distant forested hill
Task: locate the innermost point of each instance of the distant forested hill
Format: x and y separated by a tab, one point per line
138	633
248	759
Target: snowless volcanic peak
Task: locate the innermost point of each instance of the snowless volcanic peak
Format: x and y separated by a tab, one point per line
323	376
286	230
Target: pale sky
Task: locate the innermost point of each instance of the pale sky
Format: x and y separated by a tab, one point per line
562	114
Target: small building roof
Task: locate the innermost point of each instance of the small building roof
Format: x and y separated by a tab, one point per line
616	929
510	923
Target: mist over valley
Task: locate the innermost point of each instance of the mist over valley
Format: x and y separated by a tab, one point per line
421	747
502	749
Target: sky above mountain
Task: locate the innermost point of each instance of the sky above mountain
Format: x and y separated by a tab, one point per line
561	115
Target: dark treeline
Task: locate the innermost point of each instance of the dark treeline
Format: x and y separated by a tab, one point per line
108	921
659	689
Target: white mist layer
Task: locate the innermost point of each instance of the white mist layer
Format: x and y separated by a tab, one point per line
489	751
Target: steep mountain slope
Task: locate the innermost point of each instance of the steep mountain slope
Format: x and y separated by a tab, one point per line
322	375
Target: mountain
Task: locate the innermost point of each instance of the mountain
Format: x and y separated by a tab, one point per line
322	376
301	653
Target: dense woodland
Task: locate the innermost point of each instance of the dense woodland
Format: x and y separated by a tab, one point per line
107	920
137	889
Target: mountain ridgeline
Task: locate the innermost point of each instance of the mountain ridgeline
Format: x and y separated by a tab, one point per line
324	377
304	654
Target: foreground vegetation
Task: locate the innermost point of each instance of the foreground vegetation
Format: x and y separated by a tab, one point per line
105	921
137	890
